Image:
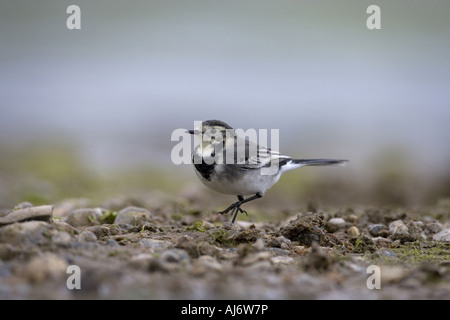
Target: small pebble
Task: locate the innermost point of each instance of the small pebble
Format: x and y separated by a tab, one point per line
29	232
378	230
353	232
87	236
64	226
301	249
253	258
42	213
279	251
258	245
133	216
391	273
62	239
44	267
155	244
352	218
112	243
283	239
174	255
23	205
443	235
335	224
386	253
84	217
204	264
434	226
260	266
398	227
381	241
284	260
142	260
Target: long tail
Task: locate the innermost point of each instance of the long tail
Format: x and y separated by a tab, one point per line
291	164
319	162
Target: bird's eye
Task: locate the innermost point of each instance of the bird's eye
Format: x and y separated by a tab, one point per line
213	154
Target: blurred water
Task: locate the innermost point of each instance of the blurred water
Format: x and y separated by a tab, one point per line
139	69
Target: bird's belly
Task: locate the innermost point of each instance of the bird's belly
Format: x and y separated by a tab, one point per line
249	183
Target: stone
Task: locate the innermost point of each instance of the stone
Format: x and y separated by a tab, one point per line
381	241
23	205
133	216
4	212
87	236
62	239
105	230
41	213
443	235
334	224
243	224
301	250
204	264
44	267
260	266
112	243
282	260
155	244
278	251
174	255
378	230
279	242
405	233
433	226
386	253
9	251
258	245
84	217
353	232
398	227
142	260
391	274
253	258
64	226
207	225
352	218
196	248
168	261
30	232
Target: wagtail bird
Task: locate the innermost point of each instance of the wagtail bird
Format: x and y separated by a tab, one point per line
230	164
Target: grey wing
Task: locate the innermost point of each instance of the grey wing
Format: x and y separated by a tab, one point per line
257	156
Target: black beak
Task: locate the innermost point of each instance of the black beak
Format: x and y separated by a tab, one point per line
191	131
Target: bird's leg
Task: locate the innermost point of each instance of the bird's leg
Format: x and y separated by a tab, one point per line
236	207
234	213
241	198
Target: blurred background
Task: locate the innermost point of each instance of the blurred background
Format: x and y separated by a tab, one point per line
89	113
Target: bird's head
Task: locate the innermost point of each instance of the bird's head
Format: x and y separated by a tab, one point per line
212	133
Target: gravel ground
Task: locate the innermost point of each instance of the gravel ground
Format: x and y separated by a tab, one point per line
173	252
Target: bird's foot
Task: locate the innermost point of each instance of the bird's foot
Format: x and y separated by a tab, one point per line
234	206
242	211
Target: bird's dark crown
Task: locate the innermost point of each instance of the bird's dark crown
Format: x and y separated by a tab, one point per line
216	123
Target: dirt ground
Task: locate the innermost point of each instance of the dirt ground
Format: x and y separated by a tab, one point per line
133	249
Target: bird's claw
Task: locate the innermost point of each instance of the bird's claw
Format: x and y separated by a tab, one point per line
236	206
242	211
